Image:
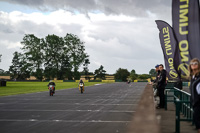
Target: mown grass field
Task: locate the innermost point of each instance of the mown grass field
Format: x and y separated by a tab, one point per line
14	88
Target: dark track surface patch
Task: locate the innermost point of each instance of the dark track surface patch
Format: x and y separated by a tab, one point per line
106	108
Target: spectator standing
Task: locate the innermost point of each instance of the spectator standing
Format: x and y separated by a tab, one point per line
194	69
155	82
157	74
161	86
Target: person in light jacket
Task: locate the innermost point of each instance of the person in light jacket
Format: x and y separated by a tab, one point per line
194	69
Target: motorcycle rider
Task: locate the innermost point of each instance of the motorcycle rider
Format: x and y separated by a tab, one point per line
52	83
81	82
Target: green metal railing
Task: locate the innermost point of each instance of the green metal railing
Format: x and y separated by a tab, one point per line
183	105
169	93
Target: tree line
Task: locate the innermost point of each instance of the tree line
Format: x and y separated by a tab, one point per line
124	75
59	57
50	57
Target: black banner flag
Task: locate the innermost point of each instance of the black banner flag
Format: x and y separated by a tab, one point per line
185	18
169	46
194	29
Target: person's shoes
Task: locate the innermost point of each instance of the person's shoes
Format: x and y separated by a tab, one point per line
159	107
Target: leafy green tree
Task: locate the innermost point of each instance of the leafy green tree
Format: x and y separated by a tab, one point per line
53	50
122	74
65	68
144	76
33	50
76	51
152	72
133	75
20	68
4	73
1	71
100	73
52	57
85	68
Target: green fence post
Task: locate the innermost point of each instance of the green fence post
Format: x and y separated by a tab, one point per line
177	102
166	100
175	95
181	99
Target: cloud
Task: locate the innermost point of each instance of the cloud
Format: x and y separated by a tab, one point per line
128	44
10	45
127	7
113	40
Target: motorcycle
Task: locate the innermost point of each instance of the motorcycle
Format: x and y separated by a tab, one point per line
51	89
128	82
81	87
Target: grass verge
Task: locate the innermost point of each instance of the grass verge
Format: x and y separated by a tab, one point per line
14	88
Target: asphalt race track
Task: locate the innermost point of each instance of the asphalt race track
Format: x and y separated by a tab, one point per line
106	108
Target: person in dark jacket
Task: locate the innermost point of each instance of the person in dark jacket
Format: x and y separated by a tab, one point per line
157	74
81	82
52	83
155	82
194	69
161	86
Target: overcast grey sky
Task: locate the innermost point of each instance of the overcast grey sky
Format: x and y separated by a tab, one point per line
117	33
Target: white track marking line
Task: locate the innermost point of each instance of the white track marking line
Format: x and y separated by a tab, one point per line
71	99
34	110
17	96
67	121
74	104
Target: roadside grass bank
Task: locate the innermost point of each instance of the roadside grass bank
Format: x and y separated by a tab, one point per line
14	88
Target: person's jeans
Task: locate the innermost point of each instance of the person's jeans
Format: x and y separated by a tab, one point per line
196	116
161	96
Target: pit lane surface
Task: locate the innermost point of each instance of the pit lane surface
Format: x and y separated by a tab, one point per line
106	108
